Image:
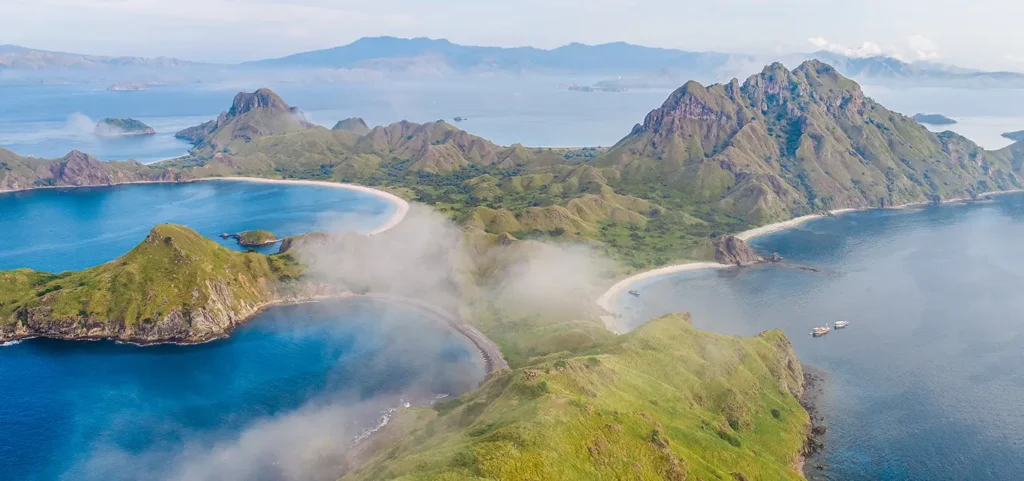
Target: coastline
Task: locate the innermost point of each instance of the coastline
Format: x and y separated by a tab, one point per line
489	351
401	205
607	301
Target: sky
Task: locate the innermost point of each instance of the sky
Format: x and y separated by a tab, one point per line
978	33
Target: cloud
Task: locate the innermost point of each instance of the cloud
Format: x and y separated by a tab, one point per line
867	49
923	48
917	47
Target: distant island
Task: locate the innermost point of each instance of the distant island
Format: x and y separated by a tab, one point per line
596	88
111	127
933	119
127	87
1016	135
253	238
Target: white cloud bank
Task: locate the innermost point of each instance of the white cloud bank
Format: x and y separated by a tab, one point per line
917	47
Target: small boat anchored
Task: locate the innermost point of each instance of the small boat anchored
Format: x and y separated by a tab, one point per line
841	324
634	293
820	331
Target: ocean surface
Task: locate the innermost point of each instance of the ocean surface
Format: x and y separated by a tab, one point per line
73	228
982	115
294	382
49	121
927	381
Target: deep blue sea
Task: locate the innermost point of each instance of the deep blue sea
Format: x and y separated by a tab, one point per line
927	383
295	382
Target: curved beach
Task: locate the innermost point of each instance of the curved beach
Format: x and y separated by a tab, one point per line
607	300
401	205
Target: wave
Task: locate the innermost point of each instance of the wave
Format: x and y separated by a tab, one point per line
10	343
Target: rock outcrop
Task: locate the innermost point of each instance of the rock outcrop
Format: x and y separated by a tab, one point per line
252	115
733	250
355	125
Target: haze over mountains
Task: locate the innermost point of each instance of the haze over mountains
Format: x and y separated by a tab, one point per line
618	64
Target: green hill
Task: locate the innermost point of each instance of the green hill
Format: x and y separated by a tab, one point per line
174	286
666	401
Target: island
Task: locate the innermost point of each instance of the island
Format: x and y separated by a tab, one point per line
175	286
710	162
934	119
253	238
127	87
1015	136
112	127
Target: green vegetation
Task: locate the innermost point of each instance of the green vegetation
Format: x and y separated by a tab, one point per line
256	238
710	161
176	285
666	401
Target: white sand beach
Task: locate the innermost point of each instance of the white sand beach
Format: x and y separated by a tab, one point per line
401	205
607	301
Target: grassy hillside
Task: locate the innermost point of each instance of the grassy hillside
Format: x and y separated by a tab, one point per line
666	401
711	160
175	285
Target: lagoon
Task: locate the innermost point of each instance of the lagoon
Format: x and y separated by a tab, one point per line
102	410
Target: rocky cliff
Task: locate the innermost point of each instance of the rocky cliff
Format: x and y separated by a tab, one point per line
733	250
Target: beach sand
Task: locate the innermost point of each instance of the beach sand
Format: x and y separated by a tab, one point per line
607	301
401	206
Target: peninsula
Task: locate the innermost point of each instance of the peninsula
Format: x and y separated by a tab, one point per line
175	286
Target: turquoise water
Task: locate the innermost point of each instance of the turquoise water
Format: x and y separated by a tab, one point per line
316	374
66	229
927	381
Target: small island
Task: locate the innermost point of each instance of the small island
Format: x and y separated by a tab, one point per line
1016	136
933	119
111	127
253	238
127	87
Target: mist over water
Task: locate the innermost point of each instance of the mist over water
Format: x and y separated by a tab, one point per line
926	382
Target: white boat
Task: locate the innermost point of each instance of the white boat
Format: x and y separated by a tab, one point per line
841	324
820	331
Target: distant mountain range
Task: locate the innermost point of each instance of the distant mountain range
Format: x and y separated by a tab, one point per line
378	58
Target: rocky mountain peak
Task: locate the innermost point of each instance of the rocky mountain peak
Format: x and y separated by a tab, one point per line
263	98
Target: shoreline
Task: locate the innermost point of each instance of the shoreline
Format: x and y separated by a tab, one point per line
607	301
401	205
488	350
